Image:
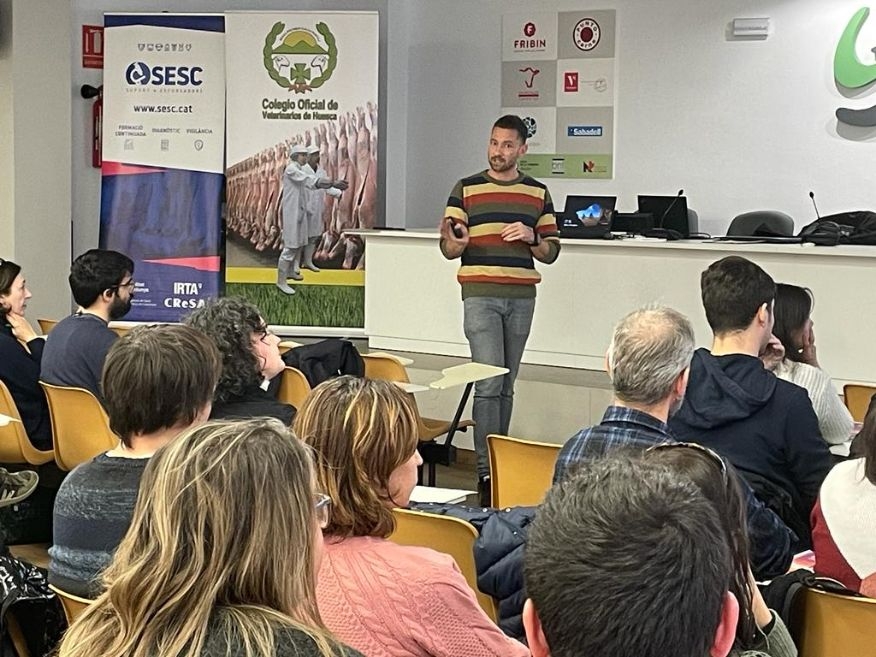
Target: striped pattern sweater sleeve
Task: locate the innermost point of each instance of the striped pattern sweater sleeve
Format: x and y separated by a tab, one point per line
490	265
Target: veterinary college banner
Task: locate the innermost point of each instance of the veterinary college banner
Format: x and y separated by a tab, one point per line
163	147
301	82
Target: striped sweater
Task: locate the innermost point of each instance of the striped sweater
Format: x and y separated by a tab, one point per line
492	267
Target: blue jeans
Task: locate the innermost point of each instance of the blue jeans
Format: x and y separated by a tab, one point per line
497	330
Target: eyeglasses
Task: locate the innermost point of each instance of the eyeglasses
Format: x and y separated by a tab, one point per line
263	332
131	283
713	455
322	503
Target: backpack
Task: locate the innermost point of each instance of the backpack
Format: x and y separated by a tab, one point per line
323	360
858	227
24	590
781	594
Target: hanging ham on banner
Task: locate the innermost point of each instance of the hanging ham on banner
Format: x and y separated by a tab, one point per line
163	150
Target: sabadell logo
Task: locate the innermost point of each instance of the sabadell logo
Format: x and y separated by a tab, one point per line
851	73
300	59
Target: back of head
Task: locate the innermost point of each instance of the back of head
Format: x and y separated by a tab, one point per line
513	122
733	289
361	431
627	559
96	271
8	272
793	307
230	323
719	482
157	377
649	350
210	542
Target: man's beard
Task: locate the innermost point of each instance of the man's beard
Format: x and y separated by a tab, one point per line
119	308
500	165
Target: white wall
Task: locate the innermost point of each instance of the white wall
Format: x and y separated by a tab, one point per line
738	125
35	148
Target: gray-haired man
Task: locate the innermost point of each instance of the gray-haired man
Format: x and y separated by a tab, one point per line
648	362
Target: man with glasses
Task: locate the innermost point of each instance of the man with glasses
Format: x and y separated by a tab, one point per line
103	287
648	362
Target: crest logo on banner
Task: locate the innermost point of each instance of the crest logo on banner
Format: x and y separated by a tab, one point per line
300	59
850	73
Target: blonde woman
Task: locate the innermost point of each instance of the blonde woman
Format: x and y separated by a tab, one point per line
216	562
384	599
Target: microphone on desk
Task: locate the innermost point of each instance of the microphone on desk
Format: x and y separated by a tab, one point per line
812	196
669	207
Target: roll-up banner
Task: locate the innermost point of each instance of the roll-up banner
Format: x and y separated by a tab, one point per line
307	80
163	148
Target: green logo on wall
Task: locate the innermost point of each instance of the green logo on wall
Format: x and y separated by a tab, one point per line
851	73
299	59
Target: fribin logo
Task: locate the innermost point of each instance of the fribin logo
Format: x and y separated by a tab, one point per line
584	131
851	73
299	59
140	73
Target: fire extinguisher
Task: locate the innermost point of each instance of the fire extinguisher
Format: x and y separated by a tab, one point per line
88	91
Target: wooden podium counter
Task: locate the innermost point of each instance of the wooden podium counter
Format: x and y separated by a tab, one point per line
413	303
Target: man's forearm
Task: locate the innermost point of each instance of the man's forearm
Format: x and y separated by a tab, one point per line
546	251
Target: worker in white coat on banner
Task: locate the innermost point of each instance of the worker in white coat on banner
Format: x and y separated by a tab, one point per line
315	208
298	179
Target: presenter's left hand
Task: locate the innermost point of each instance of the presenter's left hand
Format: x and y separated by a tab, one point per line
518	231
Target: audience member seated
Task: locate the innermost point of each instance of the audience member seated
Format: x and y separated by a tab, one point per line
385	600
844	518
765	426
759	627
103	286
250	359
216	563
794	329
159	381
648	362
629	559
20	365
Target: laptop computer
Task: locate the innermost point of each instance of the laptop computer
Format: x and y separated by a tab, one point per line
587	217
670	213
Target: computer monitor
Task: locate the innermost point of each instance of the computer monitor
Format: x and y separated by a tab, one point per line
670	212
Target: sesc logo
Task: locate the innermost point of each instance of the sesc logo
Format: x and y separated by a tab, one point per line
140	73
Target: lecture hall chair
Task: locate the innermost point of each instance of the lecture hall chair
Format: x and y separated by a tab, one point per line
443	534
521	471
80	427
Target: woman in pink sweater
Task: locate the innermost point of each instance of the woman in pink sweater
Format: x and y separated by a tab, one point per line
386	600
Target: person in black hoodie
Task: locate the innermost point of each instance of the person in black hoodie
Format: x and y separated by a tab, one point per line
765	426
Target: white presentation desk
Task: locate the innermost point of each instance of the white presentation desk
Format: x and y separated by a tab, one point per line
413	303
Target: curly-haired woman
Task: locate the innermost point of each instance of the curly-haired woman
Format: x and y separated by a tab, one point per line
250	359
